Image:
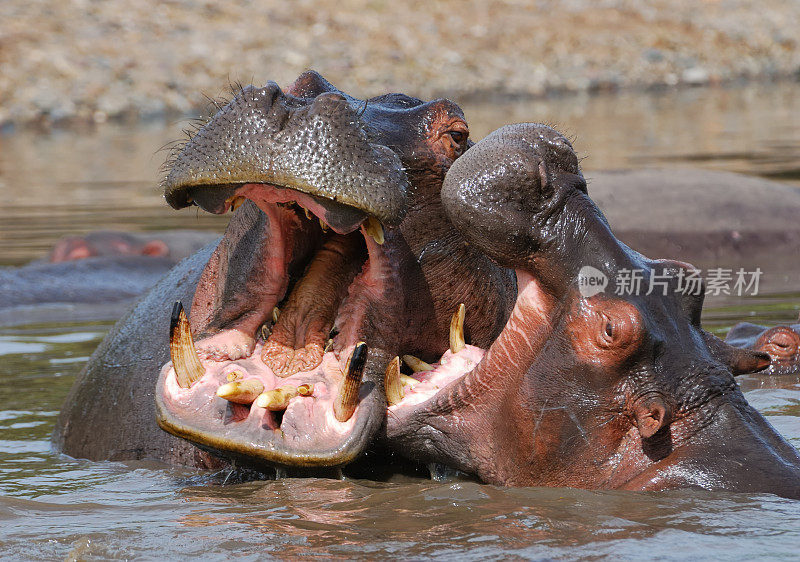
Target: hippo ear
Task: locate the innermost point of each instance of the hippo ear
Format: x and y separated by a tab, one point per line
651	415
739	360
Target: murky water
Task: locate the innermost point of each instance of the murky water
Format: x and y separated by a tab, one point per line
52	506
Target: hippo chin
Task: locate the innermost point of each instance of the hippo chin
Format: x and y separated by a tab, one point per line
781	343
338	259
598	391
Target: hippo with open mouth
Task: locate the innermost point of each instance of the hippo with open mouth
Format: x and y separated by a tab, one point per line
349	250
338	259
589	389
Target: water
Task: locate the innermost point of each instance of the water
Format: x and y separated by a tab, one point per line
55	507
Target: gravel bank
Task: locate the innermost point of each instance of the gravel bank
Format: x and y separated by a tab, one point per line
85	60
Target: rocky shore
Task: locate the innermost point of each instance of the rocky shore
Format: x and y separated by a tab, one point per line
83	60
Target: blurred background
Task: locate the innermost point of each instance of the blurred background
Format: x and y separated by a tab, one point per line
99	60
90	90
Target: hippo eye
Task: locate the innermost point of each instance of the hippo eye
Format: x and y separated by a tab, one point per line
457	136
610	330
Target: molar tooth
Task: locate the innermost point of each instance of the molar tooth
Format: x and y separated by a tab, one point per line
278	399
417	365
347	399
392	384
241	392
457	330
323	225
305	389
374	229
308	213
187	365
234	376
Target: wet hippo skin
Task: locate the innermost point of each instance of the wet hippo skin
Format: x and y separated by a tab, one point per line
338	237
631	392
594	391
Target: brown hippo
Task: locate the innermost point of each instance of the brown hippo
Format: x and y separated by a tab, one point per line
338	258
584	387
781	343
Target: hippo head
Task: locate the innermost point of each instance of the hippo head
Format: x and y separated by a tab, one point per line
318	282
587	385
781	343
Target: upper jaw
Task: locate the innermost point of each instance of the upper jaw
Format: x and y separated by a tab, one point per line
343	219
318	147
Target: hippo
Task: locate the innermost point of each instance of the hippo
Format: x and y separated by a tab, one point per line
338	259
586	386
781	343
172	244
92	277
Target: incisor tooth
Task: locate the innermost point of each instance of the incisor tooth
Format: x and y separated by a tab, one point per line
347	399
277	399
374	229
276	313
187	365
457	329
394	388
408	381
417	365
323	225
307	212
241	392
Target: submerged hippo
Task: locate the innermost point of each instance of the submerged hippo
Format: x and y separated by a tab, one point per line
781	343
94	276
583	388
338	259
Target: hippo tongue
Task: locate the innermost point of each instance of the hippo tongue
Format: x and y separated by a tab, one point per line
298	338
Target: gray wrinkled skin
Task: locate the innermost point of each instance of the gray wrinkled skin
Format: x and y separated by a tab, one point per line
319	148
109	412
605	391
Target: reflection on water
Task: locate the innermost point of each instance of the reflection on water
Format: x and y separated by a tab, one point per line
53	507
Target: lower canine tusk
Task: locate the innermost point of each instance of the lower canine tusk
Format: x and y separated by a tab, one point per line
457	330
392	384
187	365
347	399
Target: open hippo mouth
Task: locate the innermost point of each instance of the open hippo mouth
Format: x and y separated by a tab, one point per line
295	377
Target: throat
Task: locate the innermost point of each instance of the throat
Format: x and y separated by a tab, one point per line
301	333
